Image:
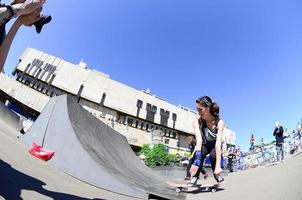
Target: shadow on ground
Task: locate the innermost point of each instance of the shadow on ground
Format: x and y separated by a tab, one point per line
13	181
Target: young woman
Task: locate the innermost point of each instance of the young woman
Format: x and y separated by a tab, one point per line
208	130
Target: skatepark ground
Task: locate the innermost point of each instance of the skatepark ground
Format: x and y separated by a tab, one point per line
26	177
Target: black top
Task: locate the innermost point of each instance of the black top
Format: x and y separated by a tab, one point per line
278	133
208	136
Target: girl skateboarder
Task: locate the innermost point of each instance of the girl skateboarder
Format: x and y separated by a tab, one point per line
208	130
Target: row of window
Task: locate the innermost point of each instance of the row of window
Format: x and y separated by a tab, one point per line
38	85
149	127
35	69
151	111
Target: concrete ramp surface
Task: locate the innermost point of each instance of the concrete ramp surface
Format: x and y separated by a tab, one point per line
93	152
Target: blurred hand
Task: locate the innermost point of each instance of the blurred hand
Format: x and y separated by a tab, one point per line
28	20
29	6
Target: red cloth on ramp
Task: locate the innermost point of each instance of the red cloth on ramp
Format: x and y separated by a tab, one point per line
39	152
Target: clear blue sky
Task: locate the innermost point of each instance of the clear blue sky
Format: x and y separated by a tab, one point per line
246	55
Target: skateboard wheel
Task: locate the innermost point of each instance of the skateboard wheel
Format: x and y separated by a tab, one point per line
178	190
213	190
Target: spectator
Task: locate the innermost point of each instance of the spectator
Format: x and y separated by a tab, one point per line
261	146
252	140
278	133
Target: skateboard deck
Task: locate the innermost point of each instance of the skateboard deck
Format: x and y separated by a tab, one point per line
179	187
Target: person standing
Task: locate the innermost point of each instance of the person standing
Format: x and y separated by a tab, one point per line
261	146
299	134
252	143
278	134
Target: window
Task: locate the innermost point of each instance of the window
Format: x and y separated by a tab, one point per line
37	62
139	103
130	121
164	116
174	117
47	77
52	78
142	125
42	75
151	111
167	141
38	74
27	68
52	93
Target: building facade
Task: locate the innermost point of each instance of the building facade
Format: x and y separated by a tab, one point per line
134	113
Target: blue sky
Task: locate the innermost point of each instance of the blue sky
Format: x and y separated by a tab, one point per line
246	55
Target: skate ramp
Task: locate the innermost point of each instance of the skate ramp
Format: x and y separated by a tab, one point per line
93	152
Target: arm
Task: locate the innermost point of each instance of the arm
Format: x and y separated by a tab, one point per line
197	149
218	169
5	46
197	134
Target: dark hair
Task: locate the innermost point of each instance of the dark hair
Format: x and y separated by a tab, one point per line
209	103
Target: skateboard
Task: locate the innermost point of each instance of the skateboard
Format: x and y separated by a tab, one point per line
179	187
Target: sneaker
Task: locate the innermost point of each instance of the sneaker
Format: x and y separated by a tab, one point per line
193	182
205	176
218	178
187	178
41	22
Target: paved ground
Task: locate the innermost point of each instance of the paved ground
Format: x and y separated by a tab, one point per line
25	177
278	182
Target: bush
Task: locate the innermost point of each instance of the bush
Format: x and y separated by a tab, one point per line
145	150
156	156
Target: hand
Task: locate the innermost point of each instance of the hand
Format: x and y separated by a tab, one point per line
193	170
28	20
28	6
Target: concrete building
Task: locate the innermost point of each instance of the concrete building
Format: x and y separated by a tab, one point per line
134	113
